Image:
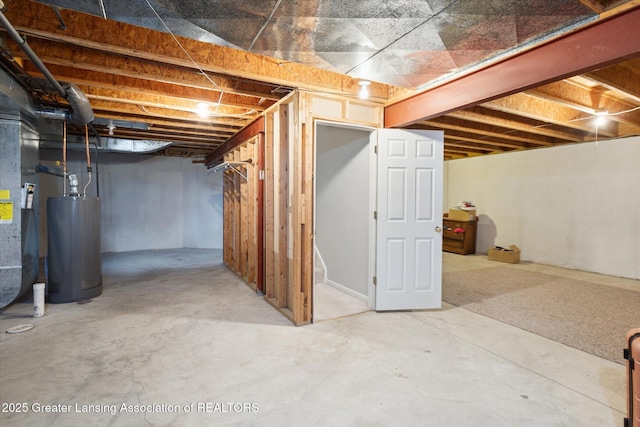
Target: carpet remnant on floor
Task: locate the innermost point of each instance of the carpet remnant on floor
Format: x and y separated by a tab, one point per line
590	317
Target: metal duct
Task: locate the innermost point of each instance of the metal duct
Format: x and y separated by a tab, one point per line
18	221
71	176
81	112
117	145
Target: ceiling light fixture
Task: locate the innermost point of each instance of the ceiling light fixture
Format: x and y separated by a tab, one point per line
202	109
601	117
364	91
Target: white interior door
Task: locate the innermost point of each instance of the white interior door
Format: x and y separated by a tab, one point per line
409	219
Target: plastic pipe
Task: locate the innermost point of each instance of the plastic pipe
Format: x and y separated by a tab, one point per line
38	299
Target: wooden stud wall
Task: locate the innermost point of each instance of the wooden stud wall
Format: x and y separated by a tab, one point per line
228	218
289	185
277	210
287	202
241	213
269	199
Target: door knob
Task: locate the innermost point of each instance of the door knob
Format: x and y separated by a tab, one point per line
438	229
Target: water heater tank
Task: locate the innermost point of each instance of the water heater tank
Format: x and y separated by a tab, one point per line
74	256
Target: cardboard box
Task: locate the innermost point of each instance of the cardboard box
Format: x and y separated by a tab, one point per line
511	255
462	214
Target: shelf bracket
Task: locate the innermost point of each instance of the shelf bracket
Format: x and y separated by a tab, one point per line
233	166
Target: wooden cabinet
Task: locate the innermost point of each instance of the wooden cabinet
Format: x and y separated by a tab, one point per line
459	236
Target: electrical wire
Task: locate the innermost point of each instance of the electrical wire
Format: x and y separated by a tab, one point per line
97	158
86	140
623	112
104	12
273	11
84	191
64	158
376	53
193	61
605	115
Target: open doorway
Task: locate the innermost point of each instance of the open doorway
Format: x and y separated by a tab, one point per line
344	227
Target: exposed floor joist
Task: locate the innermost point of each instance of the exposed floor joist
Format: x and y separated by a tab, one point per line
136	74
562	111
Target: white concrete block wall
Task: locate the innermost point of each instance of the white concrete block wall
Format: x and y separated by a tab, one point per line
147	202
203	196
574	206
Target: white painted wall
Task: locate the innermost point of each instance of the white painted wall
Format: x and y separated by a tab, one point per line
147	202
574	206
342	205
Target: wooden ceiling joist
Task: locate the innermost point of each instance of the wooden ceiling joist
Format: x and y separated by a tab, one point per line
472	148
454	133
38	20
168	132
160	101
623	79
175	115
516	122
588	100
595	5
106	81
84	63
178	125
544	110
135	74
493	131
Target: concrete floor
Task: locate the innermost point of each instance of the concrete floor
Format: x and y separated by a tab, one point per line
176	330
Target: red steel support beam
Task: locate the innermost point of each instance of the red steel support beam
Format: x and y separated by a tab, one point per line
603	43
245	134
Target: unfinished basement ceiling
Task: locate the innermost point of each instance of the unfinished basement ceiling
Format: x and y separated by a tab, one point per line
151	62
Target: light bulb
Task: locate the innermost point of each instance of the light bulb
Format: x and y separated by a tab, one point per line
202	109
364	92
601	117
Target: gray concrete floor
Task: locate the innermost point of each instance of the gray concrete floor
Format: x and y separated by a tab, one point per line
176	339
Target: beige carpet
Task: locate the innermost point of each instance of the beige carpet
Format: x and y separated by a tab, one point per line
590	317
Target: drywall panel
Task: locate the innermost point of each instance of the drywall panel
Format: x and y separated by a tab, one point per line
342	205
324	107
361	113
574	206
147	202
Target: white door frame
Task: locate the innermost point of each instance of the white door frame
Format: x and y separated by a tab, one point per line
373	199
371	291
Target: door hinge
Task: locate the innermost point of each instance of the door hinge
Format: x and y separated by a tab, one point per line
375	280
375	214
375	149
261	174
